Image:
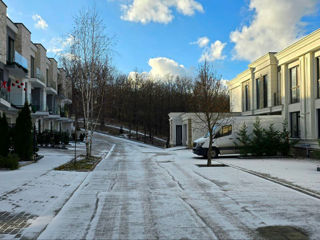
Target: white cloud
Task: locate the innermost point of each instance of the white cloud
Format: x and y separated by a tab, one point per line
202	42
40	23
163	69
214	52
59	45
160	11
275	25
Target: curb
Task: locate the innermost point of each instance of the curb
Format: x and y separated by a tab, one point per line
271	179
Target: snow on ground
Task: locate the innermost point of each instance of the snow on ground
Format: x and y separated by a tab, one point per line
39	190
300	172
143	192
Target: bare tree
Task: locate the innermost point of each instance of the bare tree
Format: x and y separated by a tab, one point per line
89	61
210	101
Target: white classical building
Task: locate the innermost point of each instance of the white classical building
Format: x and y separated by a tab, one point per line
185	128
286	83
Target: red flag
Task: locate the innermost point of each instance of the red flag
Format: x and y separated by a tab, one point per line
4	84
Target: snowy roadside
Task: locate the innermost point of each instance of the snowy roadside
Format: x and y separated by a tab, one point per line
32	195
298	172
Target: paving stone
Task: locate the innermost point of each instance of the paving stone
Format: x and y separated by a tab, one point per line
12	223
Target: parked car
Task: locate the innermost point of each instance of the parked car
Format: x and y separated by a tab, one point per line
225	134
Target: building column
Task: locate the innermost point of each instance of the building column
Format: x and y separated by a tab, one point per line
310	95
253	92
43	100
285	91
303	99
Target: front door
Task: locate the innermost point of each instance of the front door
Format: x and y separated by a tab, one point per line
178	135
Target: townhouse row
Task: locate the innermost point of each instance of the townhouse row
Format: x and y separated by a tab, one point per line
286	83
27	74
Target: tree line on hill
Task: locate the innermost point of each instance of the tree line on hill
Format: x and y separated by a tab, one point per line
140	102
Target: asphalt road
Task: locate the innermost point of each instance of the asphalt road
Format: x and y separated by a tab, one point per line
142	192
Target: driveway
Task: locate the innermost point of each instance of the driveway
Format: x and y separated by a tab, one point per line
143	192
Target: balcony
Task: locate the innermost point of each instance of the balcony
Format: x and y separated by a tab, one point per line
17	65
4	99
51	88
37	79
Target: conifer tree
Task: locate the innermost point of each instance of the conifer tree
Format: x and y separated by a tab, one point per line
23	134
4	136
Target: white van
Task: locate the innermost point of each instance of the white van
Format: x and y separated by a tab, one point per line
226	131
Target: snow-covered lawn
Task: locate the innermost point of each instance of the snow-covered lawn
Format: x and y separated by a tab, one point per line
300	172
40	191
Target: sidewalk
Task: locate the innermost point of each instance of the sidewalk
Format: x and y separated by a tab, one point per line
82	206
297	172
31	195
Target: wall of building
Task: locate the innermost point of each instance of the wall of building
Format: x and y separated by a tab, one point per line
303	55
3	32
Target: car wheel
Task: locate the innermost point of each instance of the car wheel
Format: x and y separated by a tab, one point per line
214	153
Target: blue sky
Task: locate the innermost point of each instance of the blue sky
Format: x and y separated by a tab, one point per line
162	36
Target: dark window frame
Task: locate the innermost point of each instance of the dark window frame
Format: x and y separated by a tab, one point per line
318	76
295	120
294	88
246	96
32	66
265	91
10	51
258	92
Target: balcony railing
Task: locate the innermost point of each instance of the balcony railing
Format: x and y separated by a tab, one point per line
53	110
39	75
20	60
52	85
4	94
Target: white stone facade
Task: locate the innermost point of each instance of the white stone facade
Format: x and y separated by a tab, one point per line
292	88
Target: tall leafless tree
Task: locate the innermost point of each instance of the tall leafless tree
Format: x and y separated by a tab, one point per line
210	101
89	61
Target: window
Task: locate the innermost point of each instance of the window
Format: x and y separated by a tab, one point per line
262	92
224	131
47	76
318	113
32	67
277	94
10	53
295	124
265	91
258	92
318	76
294	85
246	96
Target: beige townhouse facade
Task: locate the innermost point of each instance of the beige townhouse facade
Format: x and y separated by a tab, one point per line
286	83
27	74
